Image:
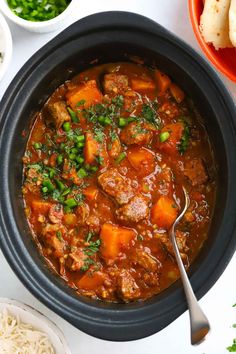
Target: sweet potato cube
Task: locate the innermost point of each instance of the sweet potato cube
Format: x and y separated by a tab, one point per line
91	281
40	206
142	85
163	81
141	159
114	239
88	92
90	193
91	148
177	93
175	131
164	212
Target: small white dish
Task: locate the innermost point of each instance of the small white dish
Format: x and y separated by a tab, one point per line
30	316
39	27
5	46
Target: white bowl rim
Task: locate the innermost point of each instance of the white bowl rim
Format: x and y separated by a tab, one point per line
39	316
8	45
34	24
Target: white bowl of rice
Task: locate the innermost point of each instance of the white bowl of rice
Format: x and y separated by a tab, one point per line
24	330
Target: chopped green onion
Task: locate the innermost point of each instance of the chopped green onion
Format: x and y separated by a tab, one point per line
66	191
73	115
48	184
74	151
37	146
79	159
80	145
82	173
36	11
72	156
66	127
59	159
62	146
103	120
79	138
93	168
121	157
164	136
122	122
52	172
44	190
71	202
60	185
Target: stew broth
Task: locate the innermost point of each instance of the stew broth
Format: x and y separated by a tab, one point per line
103	173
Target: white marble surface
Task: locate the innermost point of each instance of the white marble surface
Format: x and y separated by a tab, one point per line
172	14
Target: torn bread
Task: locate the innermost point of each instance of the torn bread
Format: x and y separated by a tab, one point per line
232	22
214	23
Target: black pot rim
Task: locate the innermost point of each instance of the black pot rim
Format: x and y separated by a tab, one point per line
63	304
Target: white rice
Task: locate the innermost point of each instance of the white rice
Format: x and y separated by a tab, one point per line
21	338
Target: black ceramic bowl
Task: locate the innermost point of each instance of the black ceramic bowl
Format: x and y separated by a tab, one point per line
111	37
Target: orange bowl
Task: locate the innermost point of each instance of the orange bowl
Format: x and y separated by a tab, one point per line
223	59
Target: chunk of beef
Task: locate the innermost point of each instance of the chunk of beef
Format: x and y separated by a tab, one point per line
196	172
56	113
76	260
56	213
33	179
70	174
151	279
53	238
127	288
181	243
115	83
82	213
114	184
138	133
137	209
145	260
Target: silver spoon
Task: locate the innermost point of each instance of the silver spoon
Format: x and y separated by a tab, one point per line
198	321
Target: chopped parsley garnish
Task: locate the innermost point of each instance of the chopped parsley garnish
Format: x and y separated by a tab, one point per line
149	114
232	348
100	160
79	198
59	235
184	142
98	135
80	103
93	247
87	263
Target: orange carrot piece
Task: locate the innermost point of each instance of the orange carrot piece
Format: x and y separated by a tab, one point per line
141	159
164	212
88	92
114	238
91	281
91	148
163	81
177	93
90	193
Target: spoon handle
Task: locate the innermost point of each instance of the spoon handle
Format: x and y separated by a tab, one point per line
198	321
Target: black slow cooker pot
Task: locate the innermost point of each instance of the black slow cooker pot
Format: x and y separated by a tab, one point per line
110	37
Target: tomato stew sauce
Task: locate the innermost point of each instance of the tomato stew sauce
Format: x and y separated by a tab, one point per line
103	173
